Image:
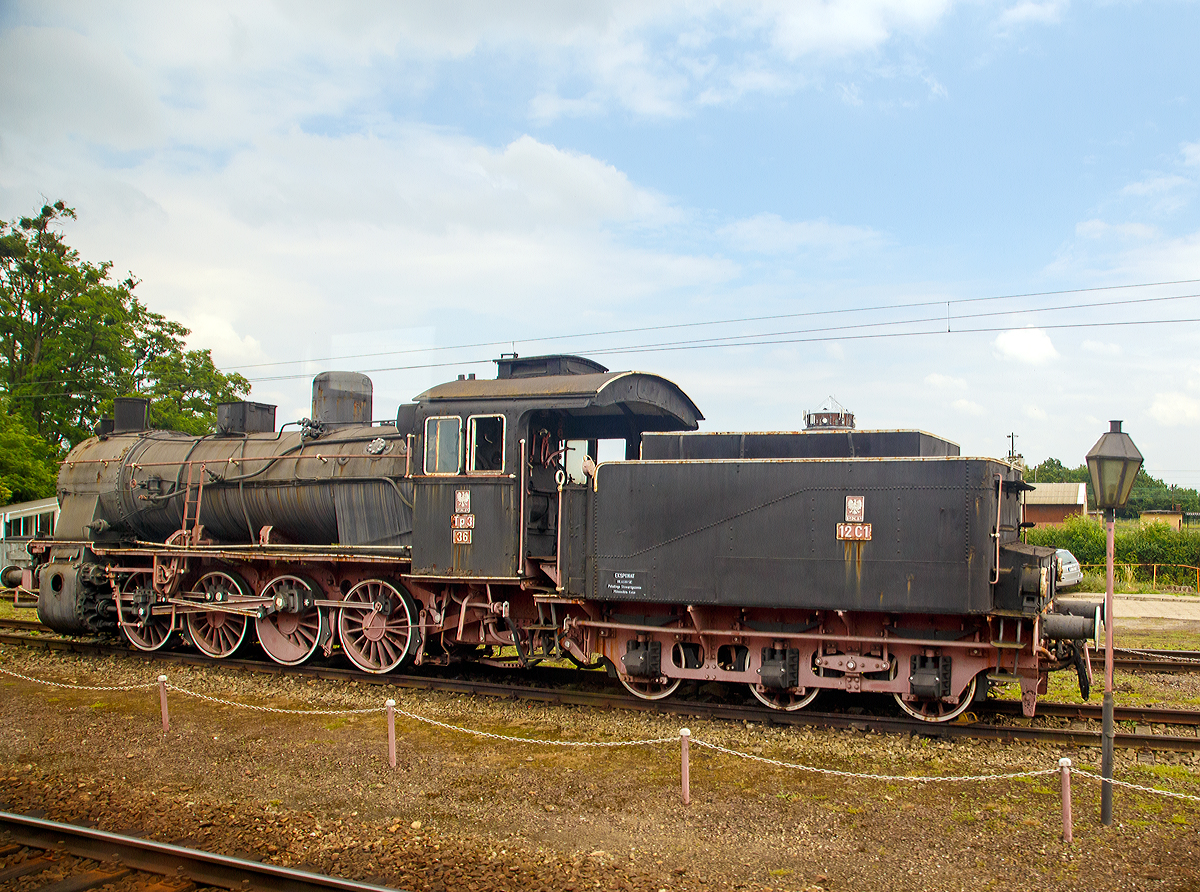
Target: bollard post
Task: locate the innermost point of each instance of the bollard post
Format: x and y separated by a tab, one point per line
391	714
162	698
1064	766
684	736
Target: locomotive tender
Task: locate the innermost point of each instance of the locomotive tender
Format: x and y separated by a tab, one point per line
479	527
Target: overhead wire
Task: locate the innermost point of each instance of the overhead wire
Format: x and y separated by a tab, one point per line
773	317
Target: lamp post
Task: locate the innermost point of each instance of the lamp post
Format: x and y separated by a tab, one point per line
1113	463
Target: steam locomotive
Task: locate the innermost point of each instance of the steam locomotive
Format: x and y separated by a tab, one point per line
479	526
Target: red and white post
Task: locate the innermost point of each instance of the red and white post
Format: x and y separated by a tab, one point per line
685	736
391	717
162	699
1064	766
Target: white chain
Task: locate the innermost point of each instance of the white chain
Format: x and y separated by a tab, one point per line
490	735
877	777
1154	656
273	708
78	687
1130	786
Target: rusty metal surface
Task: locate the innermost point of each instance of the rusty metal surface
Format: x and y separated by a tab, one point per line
137	485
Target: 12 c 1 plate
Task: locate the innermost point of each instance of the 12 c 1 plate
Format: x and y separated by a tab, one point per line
854	532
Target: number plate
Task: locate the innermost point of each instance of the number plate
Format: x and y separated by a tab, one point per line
462	521
462	537
854	532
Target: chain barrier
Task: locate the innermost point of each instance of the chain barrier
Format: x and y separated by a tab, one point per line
77	687
543	742
1141	789
876	777
274	709
1154	656
1064	768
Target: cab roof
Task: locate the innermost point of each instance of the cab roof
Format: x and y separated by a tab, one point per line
657	403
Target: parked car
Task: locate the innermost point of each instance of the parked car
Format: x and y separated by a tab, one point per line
1069	572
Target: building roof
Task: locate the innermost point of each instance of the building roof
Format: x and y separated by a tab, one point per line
1057	494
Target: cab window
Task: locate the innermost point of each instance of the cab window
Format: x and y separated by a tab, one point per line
485	436
443	445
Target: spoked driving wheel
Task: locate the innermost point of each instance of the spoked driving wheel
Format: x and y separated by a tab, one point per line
216	633
788	701
937	710
650	688
293	632
377	625
145	629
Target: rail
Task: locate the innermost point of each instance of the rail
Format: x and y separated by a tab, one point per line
149	856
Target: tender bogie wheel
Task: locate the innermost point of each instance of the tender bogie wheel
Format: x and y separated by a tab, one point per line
377	625
291	636
936	710
217	634
788	701
650	688
145	631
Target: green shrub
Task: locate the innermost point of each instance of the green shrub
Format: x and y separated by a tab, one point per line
1146	543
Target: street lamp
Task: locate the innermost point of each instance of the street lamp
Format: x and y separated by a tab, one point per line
1113	463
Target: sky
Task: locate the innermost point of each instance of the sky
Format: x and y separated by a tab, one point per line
977	218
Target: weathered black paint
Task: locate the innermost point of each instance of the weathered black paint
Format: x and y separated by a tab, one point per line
795	444
763	533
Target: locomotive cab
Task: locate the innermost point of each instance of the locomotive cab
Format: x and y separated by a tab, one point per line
502	488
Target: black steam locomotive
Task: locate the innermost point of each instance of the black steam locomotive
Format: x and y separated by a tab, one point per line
478	526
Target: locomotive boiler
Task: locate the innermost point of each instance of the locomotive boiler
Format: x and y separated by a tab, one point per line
478	526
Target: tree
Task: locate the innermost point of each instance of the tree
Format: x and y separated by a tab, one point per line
71	339
27	463
1149	493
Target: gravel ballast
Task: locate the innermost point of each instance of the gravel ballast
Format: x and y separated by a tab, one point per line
461	812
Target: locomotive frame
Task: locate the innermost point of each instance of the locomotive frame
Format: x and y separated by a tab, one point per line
478	526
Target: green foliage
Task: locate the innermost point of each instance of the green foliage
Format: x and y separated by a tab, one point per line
27	464
1149	493
1143	543
1082	536
71	339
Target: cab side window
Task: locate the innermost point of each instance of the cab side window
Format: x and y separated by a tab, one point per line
443	445
485	436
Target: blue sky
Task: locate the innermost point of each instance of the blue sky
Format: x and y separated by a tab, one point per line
408	189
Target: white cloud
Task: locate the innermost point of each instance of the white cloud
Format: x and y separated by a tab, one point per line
1037	413
945	382
1101	348
1028	12
1028	345
1158	185
1096	229
771	234
967	407
1175	410
1191	153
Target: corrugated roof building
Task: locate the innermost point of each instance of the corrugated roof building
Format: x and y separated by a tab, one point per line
1054	502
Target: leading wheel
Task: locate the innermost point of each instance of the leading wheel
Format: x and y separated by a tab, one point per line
292	634
937	710
788	701
377	625
135	599
650	688
215	633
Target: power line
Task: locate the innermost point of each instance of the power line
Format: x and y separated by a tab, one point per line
677	346
768	318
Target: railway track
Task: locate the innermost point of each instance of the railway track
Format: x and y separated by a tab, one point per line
70	858
549	685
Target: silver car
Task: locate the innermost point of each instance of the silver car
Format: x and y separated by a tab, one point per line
1069	571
